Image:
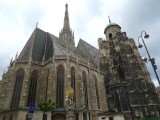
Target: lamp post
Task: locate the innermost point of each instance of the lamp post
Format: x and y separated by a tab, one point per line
152	60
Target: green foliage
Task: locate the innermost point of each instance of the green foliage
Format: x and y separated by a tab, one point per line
47	106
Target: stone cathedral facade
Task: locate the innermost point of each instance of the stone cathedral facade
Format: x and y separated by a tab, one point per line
109	83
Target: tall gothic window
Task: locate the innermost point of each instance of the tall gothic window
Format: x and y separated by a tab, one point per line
84	80
117	101
97	95
17	88
32	89
123	95
60	87
73	84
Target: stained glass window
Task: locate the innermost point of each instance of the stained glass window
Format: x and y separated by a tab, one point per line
97	95
32	89
60	87
84	80
73	84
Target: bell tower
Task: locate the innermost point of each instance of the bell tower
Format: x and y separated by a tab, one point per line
127	82
111	30
66	34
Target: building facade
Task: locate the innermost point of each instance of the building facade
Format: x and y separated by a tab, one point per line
111	82
158	91
129	88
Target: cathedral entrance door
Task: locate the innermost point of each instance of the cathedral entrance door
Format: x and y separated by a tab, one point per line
58	116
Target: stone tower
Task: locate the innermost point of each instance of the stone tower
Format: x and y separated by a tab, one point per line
129	88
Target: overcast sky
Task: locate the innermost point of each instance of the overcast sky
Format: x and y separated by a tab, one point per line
88	19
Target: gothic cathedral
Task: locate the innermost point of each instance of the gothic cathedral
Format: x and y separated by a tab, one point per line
109	83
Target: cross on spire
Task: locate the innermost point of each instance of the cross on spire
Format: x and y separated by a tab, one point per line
109	19
36	24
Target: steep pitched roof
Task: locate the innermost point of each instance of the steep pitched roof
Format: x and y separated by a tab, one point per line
91	52
38	47
43	45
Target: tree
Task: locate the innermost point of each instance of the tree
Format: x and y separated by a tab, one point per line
46	106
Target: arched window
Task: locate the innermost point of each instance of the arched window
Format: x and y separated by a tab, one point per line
32	89
123	95
117	101
85	93
97	95
73	83
17	88
110	36
60	87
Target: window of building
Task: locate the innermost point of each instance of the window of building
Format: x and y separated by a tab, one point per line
97	95
17	88
110	118
84	116
124	99
32	89
60	87
73	84
84	80
110	36
117	101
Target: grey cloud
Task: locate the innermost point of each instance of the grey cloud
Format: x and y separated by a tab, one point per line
4	63
33	15
144	14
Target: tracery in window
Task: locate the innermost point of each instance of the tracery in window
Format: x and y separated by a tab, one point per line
85	93
32	89
73	83
97	95
60	87
17	88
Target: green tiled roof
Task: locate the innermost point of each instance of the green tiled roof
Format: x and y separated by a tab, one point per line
111	24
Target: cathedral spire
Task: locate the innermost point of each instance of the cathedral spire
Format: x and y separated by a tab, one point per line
66	18
66	33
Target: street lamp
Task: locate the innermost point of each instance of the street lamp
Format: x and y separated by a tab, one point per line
152	60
